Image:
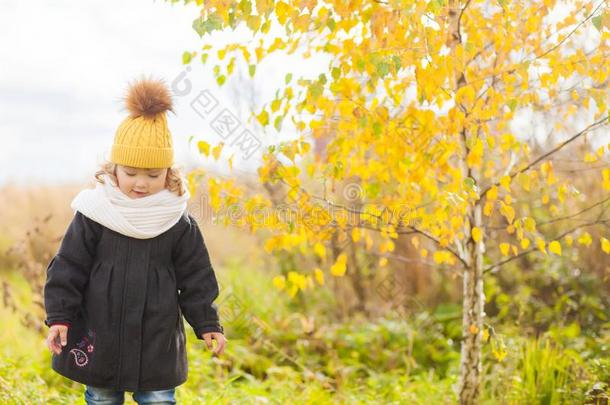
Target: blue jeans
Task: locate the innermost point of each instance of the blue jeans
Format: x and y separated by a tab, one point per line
106	396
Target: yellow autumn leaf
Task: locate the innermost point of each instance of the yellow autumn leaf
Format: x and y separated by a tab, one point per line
465	95
590	158
555	247
216	150
320	250
585	239
505	182
605	243
275	105
281	11
525	180
498	350
441	256
475	156
338	269
504	248
525	243
204	147
294	289
319	275
507	211
541	244
476	234
530	224
488	209
492	193
279	282
263	118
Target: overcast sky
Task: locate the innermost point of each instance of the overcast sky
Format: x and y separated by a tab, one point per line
65	64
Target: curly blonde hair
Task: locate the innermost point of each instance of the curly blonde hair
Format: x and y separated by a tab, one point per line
174	181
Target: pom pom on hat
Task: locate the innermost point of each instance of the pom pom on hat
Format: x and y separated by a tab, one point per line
147	98
143	139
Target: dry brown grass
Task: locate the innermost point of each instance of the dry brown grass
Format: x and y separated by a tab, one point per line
26	211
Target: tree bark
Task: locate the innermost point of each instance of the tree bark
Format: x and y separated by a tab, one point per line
472	319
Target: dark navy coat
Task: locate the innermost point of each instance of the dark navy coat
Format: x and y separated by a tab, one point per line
124	299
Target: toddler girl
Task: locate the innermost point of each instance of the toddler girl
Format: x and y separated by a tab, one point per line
131	263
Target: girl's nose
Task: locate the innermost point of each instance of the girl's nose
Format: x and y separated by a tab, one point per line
140	186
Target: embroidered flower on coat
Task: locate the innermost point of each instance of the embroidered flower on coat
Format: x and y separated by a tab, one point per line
86	343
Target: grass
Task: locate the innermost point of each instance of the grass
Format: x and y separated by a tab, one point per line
352	363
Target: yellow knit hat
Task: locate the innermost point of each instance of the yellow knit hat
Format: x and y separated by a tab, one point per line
143	139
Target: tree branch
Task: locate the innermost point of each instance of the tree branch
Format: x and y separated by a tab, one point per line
459	21
407	230
542	223
549	153
558	237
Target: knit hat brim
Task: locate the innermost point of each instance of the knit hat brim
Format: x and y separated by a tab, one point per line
142	157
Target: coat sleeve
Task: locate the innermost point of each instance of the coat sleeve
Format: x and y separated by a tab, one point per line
196	281
68	271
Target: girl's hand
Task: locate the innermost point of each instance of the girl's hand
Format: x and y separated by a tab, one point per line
58	337
220	342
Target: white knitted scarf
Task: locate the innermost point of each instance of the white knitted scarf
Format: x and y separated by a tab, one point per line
140	218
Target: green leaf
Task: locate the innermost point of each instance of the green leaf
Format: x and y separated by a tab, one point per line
221	80
397	64
360	65
377	128
245	7
597	22
316	90
512	104
288	78
232	21
322	78
362	122
469	181
204	57
277	123
372	189
213	22
186	57
383	68
251	70
335	73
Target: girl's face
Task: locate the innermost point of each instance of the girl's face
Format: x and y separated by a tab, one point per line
137	183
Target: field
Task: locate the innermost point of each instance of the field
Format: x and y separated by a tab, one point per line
303	350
